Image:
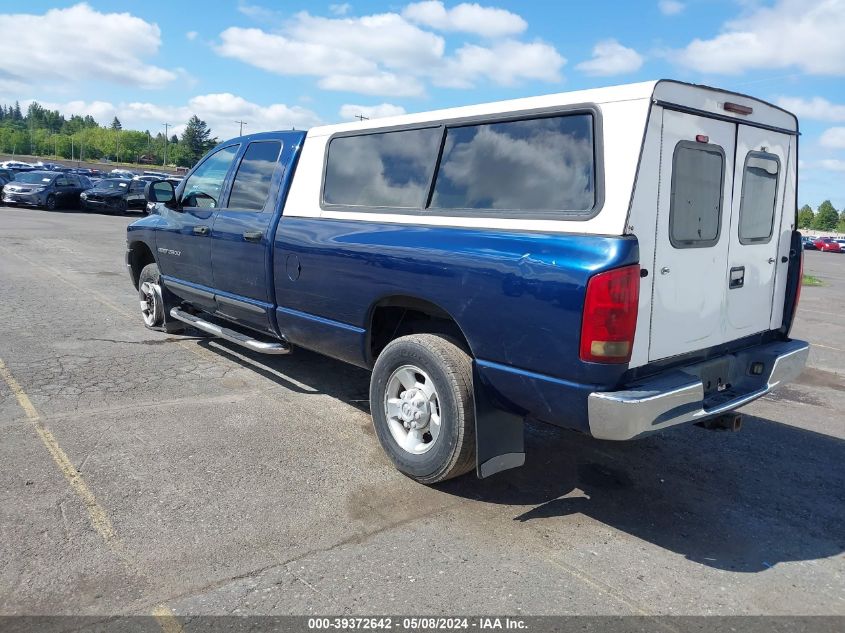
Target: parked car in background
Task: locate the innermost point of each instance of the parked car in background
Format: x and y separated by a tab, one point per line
124	173
809	243
828	244
115	195
16	164
47	189
5	177
841	243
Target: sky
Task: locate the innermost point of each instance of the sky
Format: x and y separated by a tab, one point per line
278	64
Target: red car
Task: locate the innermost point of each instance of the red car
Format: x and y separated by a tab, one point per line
828	244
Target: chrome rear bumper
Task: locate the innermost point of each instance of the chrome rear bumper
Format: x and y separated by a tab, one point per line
678	396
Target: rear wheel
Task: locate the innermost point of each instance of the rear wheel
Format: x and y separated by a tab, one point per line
422	407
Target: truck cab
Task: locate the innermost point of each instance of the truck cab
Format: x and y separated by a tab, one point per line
614	261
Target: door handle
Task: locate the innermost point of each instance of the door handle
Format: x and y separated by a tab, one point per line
771	260
200	230
664	270
253	236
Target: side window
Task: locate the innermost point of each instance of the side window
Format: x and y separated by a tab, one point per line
73	180
695	214
759	194
252	182
204	186
62	181
384	169
137	186
541	164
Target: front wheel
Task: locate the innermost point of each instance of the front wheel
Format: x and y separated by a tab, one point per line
149	294
50	203
422	407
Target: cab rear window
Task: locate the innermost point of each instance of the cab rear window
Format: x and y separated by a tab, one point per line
698	175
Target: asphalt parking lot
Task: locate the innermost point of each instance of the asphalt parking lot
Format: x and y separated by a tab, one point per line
147	473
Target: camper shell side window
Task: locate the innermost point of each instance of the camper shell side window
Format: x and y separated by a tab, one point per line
537	164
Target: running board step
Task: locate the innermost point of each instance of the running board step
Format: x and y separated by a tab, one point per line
233	336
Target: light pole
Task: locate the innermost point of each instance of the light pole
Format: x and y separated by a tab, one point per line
243	123
166	125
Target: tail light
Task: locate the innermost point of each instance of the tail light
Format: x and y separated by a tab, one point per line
610	315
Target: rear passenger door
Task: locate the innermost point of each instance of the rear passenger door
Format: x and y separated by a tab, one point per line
240	251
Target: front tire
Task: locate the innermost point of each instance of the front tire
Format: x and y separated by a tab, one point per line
50	203
152	308
422	406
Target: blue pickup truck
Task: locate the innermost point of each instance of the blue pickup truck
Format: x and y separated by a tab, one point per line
614	261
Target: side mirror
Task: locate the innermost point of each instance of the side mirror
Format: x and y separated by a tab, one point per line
160	191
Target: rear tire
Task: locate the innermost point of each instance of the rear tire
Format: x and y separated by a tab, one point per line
422	405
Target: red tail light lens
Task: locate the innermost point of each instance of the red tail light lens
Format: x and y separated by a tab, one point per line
610	315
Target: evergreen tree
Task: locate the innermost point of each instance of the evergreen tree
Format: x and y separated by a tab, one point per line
805	217
116	125
196	140
827	217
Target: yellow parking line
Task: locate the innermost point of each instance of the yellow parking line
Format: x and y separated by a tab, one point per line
99	519
166	620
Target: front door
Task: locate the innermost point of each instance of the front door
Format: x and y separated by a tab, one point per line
693	222
240	252
184	242
758	203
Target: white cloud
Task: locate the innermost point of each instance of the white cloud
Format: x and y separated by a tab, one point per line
466	17
256	12
803	34
385	54
340	9
505	63
219	110
351	111
611	58
817	108
385	37
66	46
833	137
381	83
191	35
285	56
832	164
670	7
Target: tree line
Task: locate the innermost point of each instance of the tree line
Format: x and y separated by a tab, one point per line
825	218
43	132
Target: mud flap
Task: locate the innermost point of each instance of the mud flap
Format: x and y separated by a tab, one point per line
169	324
499	434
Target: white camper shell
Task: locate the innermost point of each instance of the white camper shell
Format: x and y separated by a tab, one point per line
705	179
